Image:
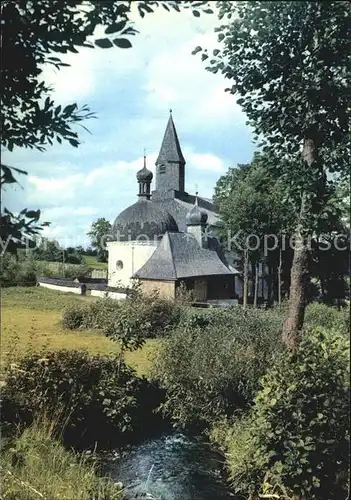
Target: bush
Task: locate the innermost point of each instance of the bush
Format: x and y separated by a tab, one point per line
211	364
74	271
74	258
35	464
74	316
143	316
15	272
295	441
102	399
328	317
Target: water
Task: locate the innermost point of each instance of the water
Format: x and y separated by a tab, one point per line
170	467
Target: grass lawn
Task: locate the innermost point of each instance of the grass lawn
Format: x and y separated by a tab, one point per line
30	322
91	261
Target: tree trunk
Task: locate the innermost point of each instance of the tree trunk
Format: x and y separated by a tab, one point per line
256	285
299	270
269	285
246	277
298	284
63	263
263	279
280	277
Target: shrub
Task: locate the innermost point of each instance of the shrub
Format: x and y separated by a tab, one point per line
35	464
74	316
135	317
101	398
211	364
328	317
15	272
74	271
295	441
101	312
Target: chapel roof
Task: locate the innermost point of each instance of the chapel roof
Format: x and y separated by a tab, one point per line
143	218
179	256
179	207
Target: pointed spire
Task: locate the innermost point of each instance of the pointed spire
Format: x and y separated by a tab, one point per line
170	149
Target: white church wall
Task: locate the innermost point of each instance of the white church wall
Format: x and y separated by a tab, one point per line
125	258
110	295
60	288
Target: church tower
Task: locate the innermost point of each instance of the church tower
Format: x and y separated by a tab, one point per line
170	164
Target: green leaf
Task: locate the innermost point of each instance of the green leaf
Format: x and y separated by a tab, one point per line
104	43
196	50
122	43
69	109
6	175
33	214
113	28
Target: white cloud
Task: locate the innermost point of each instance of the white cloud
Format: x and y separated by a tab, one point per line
54	231
161	55
60	212
85	211
54	189
111	186
131	91
204	161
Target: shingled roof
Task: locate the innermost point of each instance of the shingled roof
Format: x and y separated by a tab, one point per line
178	208
170	149
143	218
180	256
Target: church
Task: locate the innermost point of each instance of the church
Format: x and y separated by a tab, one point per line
166	238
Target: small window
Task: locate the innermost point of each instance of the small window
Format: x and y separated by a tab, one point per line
119	265
162	169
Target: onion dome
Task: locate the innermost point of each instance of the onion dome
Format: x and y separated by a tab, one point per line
196	216
143	221
144	178
144	175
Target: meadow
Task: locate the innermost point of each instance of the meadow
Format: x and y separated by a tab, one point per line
91	262
31	323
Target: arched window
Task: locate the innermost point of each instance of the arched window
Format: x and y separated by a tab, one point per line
119	265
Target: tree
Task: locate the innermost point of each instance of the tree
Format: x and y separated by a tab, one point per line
36	33
252	207
289	62
98	233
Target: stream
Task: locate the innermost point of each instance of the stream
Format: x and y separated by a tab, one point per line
170	467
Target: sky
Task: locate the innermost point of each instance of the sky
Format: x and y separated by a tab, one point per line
131	92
